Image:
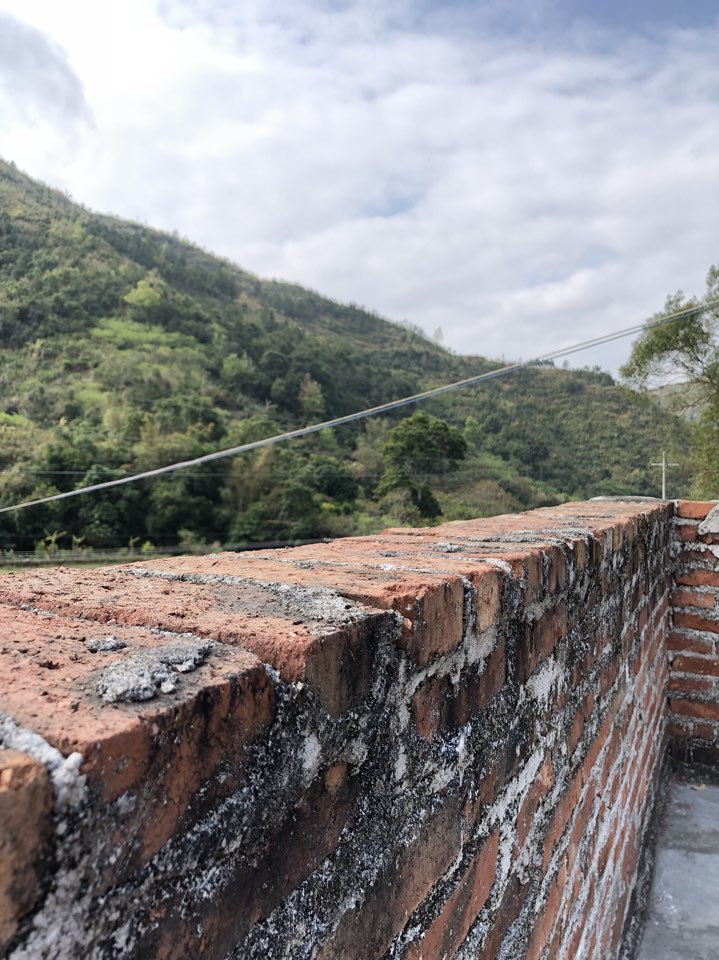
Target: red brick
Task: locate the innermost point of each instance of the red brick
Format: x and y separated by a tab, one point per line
690	598
687	532
689	685
430	705
488	584
330	652
611	756
548	917
579	553
509	909
166	748
608	843
578	827
694	708
540	639
437	615
592	945
557	575
561	817
629	641
487	790
608	675
536	793
612	717
692	621
366	931
494	675
698	578
694	509
576	730
696	556
704	666
253	887
613	930
529	569
686	728
438	704
576	936
685	642
25	828
449	930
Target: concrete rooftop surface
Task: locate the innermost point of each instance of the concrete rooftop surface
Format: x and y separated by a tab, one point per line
683	917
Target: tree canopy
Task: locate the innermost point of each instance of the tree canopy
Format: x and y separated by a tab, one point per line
685	355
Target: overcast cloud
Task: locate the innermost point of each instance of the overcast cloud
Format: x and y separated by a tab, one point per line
521	183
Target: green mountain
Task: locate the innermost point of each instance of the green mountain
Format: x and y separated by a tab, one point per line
123	348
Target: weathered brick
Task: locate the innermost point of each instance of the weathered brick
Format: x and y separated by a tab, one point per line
436	617
449	930
687	532
609	674
540	638
692	621
703	666
561	817
700	709
557	574
335	665
536	793
366	931
694	509
529	570
253	887
494	674
314	638
488	584
548	917
439	704
579	826
698	578
690	643
685	728
509	909
487	789
25	829
430	705
164	748
691	598
613	754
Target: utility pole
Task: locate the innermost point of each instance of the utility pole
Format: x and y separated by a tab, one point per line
664	466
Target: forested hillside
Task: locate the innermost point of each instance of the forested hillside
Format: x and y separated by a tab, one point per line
123	348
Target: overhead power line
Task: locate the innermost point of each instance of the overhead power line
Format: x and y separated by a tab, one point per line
373	411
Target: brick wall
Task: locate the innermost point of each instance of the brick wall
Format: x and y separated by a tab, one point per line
425	744
693	653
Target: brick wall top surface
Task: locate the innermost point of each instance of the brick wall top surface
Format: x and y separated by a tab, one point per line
92	660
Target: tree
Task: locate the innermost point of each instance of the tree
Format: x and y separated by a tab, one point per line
686	354
310	398
419	445
148	293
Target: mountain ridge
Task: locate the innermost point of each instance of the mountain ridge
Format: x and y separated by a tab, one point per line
123	348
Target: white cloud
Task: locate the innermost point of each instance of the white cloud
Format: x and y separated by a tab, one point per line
520	191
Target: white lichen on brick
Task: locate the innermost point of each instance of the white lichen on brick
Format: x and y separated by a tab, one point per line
143	676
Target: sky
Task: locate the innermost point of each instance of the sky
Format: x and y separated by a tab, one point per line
518	176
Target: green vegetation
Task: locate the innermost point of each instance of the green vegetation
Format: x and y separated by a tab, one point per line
688	352
123	348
